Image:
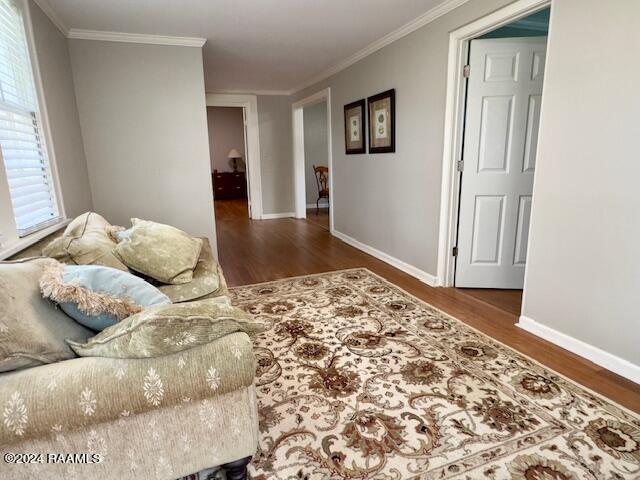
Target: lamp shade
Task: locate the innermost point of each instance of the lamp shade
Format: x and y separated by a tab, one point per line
234	154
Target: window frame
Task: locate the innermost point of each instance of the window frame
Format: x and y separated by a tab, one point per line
10	240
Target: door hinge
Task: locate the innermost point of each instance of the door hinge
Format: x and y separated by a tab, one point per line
466	71
455	251
460	165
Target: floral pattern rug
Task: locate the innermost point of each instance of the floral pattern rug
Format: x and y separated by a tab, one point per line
358	379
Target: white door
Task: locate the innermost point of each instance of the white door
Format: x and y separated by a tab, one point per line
499	153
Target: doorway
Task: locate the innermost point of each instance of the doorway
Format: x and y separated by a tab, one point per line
250	160
228	153
316	164
311	120
494	137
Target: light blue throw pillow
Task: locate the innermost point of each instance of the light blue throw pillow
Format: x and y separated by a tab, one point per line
119	294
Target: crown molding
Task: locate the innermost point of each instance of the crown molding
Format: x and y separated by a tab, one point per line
412	26
106	36
285	93
48	10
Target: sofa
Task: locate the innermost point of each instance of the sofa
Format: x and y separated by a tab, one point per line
129	418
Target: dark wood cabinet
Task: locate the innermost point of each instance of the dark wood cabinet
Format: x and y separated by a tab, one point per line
229	185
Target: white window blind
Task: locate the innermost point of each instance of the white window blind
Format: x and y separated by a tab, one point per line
21	137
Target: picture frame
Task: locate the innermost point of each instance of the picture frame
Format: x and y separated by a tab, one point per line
355	120
382	122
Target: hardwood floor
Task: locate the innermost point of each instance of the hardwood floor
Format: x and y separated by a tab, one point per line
321	218
507	300
252	251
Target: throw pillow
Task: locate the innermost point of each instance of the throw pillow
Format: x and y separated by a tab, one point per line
163	330
98	297
32	329
85	242
208	280
159	251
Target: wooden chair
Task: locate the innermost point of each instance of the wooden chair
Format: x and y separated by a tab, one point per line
322	180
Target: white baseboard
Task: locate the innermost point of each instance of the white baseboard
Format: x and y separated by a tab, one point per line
313	205
399	264
607	360
272	216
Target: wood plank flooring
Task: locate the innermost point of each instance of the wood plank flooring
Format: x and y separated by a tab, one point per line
253	251
507	300
321	218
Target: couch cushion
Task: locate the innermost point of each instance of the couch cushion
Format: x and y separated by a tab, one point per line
162	252
85	242
97	296
81	393
32	329
208	280
158	331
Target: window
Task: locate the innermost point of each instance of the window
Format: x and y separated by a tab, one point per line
22	141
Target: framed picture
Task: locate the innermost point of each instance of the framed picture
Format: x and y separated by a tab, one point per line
354	127
382	122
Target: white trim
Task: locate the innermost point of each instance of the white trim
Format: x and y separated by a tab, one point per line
250	105
48	10
105	36
313	205
29	240
43	112
273	216
454	117
607	360
297	124
424	19
421	275
283	93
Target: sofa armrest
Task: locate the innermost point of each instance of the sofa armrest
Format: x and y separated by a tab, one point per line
83	391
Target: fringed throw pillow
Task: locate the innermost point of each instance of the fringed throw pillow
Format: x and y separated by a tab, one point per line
97	296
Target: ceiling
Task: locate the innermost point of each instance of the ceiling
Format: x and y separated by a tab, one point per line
253	45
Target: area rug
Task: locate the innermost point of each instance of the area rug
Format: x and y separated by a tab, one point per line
358	379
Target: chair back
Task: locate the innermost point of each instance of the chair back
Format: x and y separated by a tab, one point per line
322	180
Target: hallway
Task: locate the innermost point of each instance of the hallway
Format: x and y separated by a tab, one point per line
254	251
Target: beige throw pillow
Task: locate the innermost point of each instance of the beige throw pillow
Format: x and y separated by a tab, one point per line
208	280
167	329
85	242
32	329
159	251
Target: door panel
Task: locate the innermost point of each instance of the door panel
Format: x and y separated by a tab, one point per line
500	147
531	138
487	229
522	232
501	67
495	133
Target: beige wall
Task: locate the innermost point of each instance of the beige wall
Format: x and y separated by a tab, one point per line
583	270
392	201
226	131
315	147
55	68
143	116
276	154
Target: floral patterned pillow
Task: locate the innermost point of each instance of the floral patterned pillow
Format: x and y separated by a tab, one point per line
32	329
159	251
168	329
85	241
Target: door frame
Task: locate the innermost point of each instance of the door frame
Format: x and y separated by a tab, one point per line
252	143
454	121
297	122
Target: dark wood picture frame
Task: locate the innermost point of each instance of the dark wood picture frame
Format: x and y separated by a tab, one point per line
391	118
363	121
